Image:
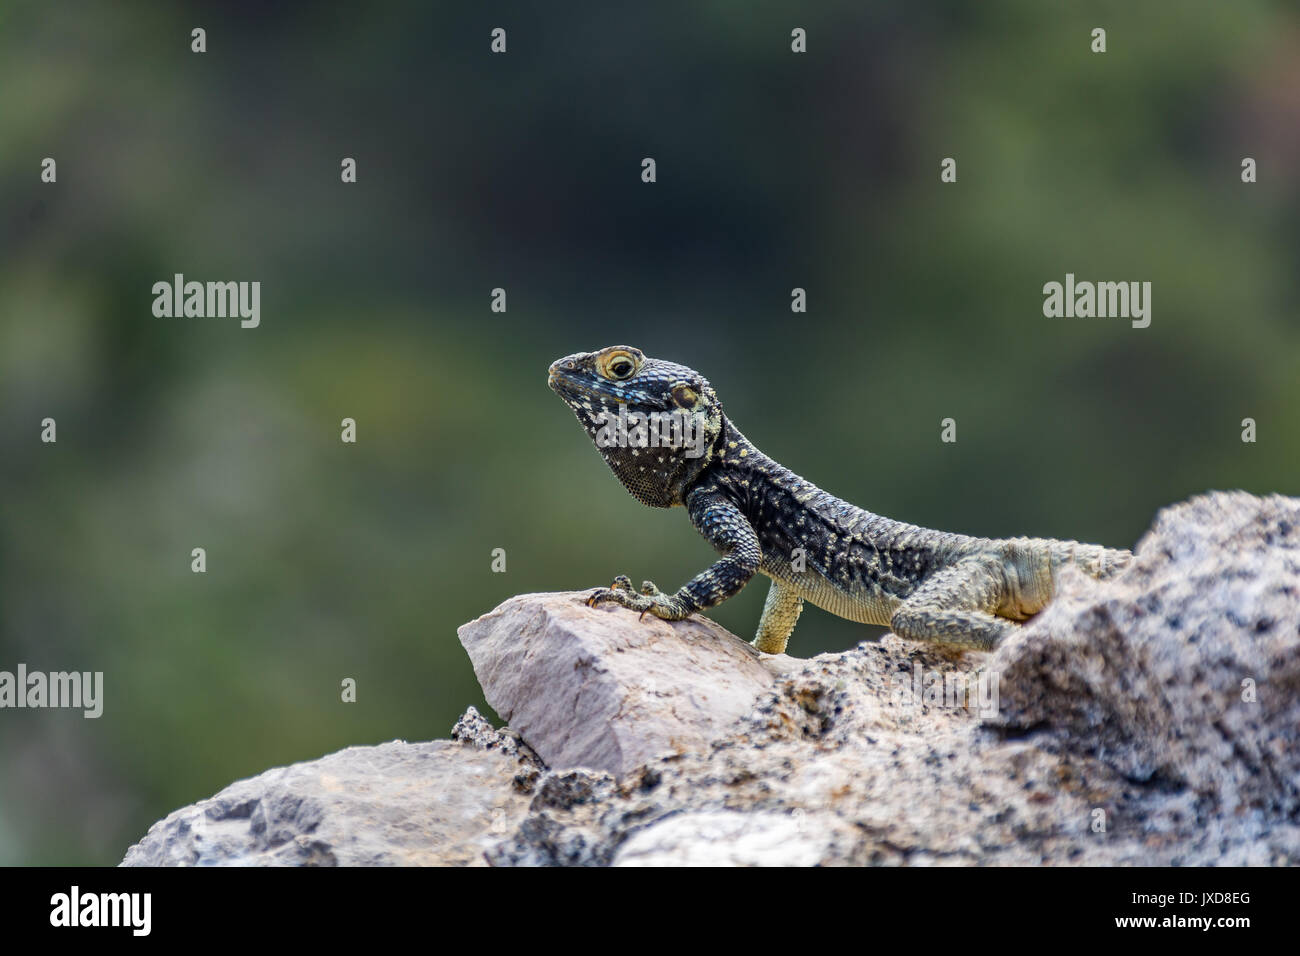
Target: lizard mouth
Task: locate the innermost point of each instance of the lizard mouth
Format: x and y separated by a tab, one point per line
557	381
555	377
563	384
554	380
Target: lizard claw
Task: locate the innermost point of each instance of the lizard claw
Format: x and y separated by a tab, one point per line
621	583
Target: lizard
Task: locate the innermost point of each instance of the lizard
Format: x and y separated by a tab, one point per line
761	517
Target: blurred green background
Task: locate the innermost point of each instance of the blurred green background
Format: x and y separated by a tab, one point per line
522	171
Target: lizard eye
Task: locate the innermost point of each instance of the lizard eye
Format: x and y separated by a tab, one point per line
617	365
685	396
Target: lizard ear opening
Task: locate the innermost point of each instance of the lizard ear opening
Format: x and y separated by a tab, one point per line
684	396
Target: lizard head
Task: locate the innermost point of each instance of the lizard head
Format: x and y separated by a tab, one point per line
652	421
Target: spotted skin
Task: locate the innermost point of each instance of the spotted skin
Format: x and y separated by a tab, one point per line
763	518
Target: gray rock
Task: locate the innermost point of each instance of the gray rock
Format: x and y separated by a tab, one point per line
543	840
1185	671
1120	736
732	838
600	688
396	804
1147	720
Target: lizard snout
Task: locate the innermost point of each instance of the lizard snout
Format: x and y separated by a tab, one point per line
567	364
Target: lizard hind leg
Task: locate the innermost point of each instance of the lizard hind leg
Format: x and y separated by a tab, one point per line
957	606
780	613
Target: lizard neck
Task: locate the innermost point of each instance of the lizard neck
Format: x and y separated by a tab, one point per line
733	448
734	460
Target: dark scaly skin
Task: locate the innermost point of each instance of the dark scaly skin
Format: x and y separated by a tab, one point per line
924	585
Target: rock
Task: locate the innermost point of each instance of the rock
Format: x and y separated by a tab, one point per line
397	804
1186	670
543	841
1119	737
603	689
1147	720
731	838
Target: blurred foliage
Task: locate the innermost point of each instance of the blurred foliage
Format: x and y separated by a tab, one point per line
522	171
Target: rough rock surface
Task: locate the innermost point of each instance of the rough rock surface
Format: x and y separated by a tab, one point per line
1151	719
397	804
735	838
599	688
1186	673
1121	735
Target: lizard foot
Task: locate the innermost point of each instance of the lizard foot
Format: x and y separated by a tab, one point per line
599	596
649	601
621	583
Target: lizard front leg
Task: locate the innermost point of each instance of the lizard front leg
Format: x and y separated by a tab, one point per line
727	529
